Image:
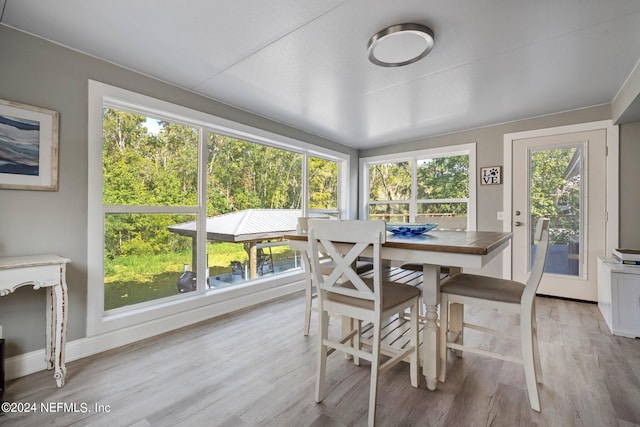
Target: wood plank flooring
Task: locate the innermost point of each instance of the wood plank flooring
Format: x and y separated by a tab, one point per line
255	368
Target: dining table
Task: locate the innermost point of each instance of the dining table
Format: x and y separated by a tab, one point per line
455	249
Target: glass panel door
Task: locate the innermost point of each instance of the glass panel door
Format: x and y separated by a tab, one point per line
555	186
561	177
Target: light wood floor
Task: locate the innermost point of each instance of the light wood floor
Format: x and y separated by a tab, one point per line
255	368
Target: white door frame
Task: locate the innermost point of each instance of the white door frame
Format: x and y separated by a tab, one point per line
612	188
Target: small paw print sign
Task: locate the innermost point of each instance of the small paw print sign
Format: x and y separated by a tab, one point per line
491	175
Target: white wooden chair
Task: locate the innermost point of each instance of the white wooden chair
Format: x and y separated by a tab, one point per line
325	268
493	293
345	293
310	294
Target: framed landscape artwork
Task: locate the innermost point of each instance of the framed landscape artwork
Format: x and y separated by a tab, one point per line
28	147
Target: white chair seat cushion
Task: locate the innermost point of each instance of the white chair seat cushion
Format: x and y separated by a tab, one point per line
489	288
392	295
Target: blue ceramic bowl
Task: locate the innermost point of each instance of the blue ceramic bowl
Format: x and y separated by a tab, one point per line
409	228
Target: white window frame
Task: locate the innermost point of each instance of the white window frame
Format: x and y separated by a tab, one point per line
237	297
413	157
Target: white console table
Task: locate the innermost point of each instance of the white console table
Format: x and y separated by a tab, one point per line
43	271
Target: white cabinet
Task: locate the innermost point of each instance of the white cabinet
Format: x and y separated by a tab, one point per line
619	297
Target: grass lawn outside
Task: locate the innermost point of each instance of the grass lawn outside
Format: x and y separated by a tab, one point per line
133	279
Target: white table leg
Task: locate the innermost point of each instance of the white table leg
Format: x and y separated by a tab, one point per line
430	343
49	344
59	332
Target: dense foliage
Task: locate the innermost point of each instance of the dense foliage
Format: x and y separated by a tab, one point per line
150	169
555	190
439	180
444	178
390	181
243	175
144	168
323	184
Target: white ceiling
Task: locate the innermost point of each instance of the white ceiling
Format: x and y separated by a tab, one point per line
304	62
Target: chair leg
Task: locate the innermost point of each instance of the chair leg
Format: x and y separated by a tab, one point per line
375	370
323	334
414	361
527	348
307	309
536	349
444	329
356	339
536	358
456	324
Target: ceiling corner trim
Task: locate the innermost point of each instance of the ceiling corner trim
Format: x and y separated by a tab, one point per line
626	104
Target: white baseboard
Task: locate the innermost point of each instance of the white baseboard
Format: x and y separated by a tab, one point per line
29	363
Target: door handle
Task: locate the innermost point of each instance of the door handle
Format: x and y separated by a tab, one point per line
517	223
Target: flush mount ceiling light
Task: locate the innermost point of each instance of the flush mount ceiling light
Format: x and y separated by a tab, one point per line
400	44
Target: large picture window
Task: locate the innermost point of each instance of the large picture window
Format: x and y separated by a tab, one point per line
430	186
184	205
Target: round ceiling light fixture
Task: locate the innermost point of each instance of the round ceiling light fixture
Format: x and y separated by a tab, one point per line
400	44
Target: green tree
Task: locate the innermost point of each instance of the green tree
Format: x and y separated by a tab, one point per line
444	178
244	175
555	190
323	184
390	181
161	169
144	169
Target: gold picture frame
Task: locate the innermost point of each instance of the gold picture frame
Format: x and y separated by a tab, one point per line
28	147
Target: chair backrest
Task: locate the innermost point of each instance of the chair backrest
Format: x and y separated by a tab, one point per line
344	241
542	236
303	222
303	227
